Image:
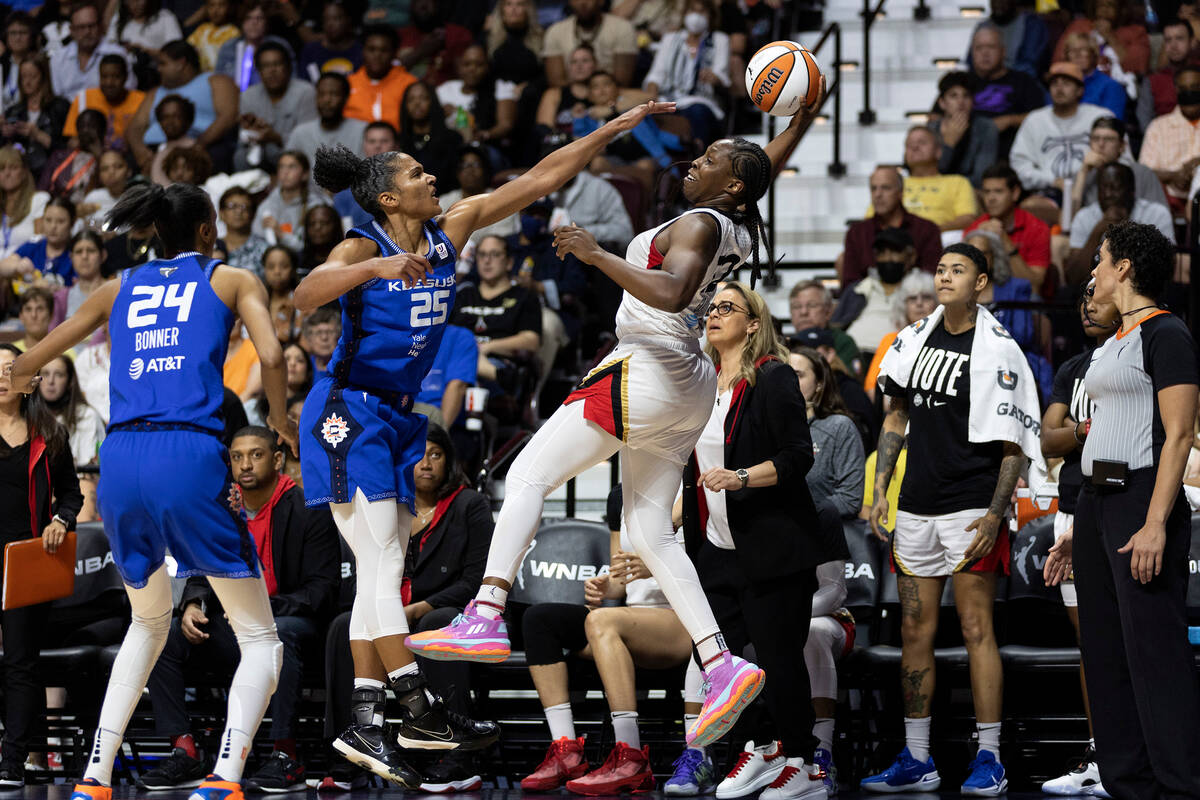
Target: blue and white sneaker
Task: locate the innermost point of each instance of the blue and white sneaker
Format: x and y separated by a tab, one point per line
905	775
694	775
987	777
824	759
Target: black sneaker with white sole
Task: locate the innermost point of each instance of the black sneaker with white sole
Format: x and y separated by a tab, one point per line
176	771
12	773
280	774
426	723
454	773
370	747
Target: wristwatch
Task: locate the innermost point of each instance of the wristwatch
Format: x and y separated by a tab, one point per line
743	476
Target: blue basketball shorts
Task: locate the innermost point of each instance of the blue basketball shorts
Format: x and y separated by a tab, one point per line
168	490
352	439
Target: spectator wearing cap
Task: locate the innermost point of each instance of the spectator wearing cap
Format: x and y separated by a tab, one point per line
969	140
1099	88
1106	145
271	108
1157	96
1051	141
860	406
864	310
1025	237
945	200
1116	203
1172	144
811	306
887	193
1003	95
612	39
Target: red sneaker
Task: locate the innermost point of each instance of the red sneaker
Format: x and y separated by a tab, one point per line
564	760
625	770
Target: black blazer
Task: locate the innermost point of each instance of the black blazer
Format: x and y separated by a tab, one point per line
447	570
304	548
775	529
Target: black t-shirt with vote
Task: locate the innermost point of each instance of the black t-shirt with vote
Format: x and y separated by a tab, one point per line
946	473
1068	390
507	314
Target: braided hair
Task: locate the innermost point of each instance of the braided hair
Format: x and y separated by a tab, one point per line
752	166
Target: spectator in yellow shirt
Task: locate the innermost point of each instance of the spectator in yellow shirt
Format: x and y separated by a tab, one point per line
946	200
217	29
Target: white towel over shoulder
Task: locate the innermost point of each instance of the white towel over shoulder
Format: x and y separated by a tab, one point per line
1004	400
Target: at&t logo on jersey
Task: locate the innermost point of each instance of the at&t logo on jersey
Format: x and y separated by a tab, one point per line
334	430
138	367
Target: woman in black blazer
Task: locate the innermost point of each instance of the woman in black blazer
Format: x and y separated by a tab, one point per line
451	534
751	526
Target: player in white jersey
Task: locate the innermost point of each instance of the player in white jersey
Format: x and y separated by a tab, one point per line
649	401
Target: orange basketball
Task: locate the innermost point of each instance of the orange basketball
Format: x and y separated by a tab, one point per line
783	77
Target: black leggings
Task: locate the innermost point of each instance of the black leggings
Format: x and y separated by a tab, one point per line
552	630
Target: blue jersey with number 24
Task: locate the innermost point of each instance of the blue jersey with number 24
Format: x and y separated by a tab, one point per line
390	334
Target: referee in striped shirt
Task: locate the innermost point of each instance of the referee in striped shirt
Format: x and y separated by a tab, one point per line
1133	529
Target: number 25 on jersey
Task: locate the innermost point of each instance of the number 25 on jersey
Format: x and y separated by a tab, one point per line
429	308
143	311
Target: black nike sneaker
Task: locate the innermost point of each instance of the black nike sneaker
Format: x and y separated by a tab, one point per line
369	747
426	723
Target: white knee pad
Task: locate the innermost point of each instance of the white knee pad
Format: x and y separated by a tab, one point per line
262	653
826	638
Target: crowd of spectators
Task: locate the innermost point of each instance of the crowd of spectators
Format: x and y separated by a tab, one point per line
1055	130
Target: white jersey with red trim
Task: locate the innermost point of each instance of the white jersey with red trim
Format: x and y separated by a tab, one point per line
635	318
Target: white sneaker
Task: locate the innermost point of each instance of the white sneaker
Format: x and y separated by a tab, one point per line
756	767
797	781
1098	791
1084	779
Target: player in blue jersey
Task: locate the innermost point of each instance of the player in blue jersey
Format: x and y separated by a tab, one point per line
394	278
166	471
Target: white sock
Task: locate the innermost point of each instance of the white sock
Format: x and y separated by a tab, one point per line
377	717
397	674
235	746
989	737
916	736
490	601
625	728
710	649
561	721
823	730
688	719
104	750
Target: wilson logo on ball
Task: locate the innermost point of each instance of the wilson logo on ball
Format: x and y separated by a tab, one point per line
782	77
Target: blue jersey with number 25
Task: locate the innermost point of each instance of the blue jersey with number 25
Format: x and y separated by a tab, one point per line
390	334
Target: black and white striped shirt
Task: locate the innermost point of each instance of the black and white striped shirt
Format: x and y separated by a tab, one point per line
1123	382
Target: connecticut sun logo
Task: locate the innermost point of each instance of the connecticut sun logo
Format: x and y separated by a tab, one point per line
334	430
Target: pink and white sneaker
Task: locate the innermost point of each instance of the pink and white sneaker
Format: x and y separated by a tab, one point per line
729	687
470	637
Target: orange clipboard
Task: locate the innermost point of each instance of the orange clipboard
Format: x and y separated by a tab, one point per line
31	575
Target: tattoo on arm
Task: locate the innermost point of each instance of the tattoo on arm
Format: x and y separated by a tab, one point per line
916	702
890	445
1010	472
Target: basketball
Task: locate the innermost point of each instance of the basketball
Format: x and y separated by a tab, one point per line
783	77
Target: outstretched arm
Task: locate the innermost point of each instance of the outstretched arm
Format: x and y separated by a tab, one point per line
690	247
72	331
780	148
472	213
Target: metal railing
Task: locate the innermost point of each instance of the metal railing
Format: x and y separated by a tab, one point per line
920	13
